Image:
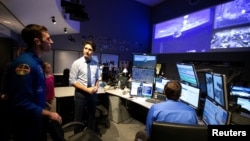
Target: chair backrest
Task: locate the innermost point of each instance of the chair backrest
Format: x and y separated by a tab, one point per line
162	131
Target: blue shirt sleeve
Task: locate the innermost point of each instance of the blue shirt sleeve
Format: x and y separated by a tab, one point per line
27	86
149	120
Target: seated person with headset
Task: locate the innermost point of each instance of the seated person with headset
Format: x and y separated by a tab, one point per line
172	110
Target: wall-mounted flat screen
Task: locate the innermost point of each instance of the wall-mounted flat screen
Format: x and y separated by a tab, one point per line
180	35
233	39
231	26
220	28
231	14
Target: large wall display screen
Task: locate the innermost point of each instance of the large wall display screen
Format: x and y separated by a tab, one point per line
222	28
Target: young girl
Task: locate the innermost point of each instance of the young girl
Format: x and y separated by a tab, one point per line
50	91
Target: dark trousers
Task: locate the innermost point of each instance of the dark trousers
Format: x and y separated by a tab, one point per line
85	107
55	130
28	128
5	122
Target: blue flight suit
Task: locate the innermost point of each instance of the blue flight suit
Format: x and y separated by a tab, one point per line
26	90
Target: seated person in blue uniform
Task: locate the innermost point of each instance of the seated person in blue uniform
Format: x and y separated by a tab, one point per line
172	110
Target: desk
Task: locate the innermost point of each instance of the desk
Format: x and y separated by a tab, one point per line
66	92
235	119
70	91
122	104
138	100
65	102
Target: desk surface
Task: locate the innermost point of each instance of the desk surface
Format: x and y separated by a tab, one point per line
70	91
138	100
64	91
61	92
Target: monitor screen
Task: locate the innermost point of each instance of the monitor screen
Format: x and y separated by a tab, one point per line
179	35
146	61
219	28
214	114
231	14
141	89
160	84
209	84
187	73
190	95
231	23
240	91
146	75
244	103
220	90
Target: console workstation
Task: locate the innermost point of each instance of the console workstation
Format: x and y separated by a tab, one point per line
216	108
122	107
118	103
230	105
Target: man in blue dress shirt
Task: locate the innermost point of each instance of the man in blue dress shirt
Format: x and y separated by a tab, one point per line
172	110
84	76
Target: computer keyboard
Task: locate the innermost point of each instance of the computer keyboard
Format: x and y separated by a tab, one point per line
153	100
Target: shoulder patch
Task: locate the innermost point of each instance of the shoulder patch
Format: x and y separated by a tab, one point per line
22	69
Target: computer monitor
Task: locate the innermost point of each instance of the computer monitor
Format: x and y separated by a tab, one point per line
209	84
187	73
145	75
220	90
214	114
160	84
240	91
146	61
244	103
141	89
134	87
240	95
190	95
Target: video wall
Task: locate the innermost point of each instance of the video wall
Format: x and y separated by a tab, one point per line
222	28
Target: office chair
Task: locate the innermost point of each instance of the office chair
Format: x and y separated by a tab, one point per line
101	116
162	131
